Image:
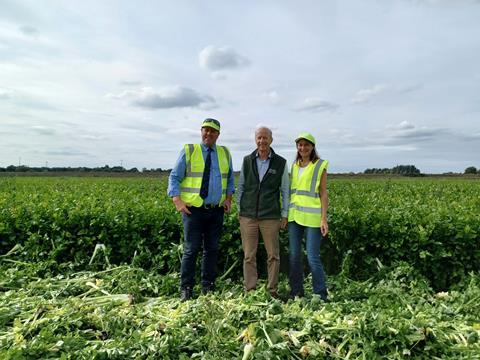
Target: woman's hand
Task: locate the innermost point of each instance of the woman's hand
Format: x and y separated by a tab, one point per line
324	227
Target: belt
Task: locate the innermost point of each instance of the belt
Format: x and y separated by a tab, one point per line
210	206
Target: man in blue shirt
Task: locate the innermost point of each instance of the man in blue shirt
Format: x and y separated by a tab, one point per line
201	186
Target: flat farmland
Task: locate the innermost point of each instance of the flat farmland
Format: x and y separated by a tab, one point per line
89	269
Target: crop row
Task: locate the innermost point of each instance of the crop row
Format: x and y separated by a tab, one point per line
432	224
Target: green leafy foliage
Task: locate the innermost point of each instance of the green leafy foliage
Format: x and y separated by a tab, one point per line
89	270
127	312
432	224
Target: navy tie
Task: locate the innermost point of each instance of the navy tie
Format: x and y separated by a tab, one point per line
206	174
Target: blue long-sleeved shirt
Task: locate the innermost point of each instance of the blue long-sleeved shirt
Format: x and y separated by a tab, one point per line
262	166
215	184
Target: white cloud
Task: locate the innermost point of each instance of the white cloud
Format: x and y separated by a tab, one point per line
15	38
67	151
165	98
410	88
313	104
5	94
184	131
404	125
443	2
402	136
53	72
130	82
420	134
93	137
218	75
43	130
272	96
406	132
221	58
365	95
28	30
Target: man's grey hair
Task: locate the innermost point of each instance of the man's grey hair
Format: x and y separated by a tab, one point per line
263	127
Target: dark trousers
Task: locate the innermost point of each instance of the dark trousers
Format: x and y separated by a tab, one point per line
202	228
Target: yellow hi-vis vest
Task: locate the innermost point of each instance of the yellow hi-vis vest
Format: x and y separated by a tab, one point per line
305	205
192	182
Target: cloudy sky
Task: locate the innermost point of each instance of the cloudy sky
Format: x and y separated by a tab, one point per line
377	82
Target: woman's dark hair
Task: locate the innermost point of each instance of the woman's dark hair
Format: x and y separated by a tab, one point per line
313	155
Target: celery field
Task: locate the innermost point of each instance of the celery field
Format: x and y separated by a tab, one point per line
89	270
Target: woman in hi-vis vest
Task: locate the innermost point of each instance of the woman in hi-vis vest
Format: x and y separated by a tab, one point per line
307	216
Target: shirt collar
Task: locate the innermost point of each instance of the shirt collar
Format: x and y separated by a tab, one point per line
205	147
268	157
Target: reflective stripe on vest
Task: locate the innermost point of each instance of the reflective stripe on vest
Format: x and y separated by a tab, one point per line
305	204
306	209
195	165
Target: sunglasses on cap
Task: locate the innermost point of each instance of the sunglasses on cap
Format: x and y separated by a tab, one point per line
212	123
216	122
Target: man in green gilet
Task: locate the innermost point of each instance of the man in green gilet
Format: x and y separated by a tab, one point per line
263	198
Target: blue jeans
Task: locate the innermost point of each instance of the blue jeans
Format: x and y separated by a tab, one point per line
313	237
202	228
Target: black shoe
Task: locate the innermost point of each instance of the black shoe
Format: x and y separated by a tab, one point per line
208	289
186	294
322	296
274	294
296	295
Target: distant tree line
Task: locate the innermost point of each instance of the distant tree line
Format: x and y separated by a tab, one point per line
106	169
405	170
472	170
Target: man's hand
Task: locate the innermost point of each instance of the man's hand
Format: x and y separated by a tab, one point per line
181	205
227	205
283	223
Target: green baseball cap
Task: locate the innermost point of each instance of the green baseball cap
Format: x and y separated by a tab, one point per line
212	123
305	136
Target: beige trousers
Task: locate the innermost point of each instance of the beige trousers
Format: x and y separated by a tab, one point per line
269	229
